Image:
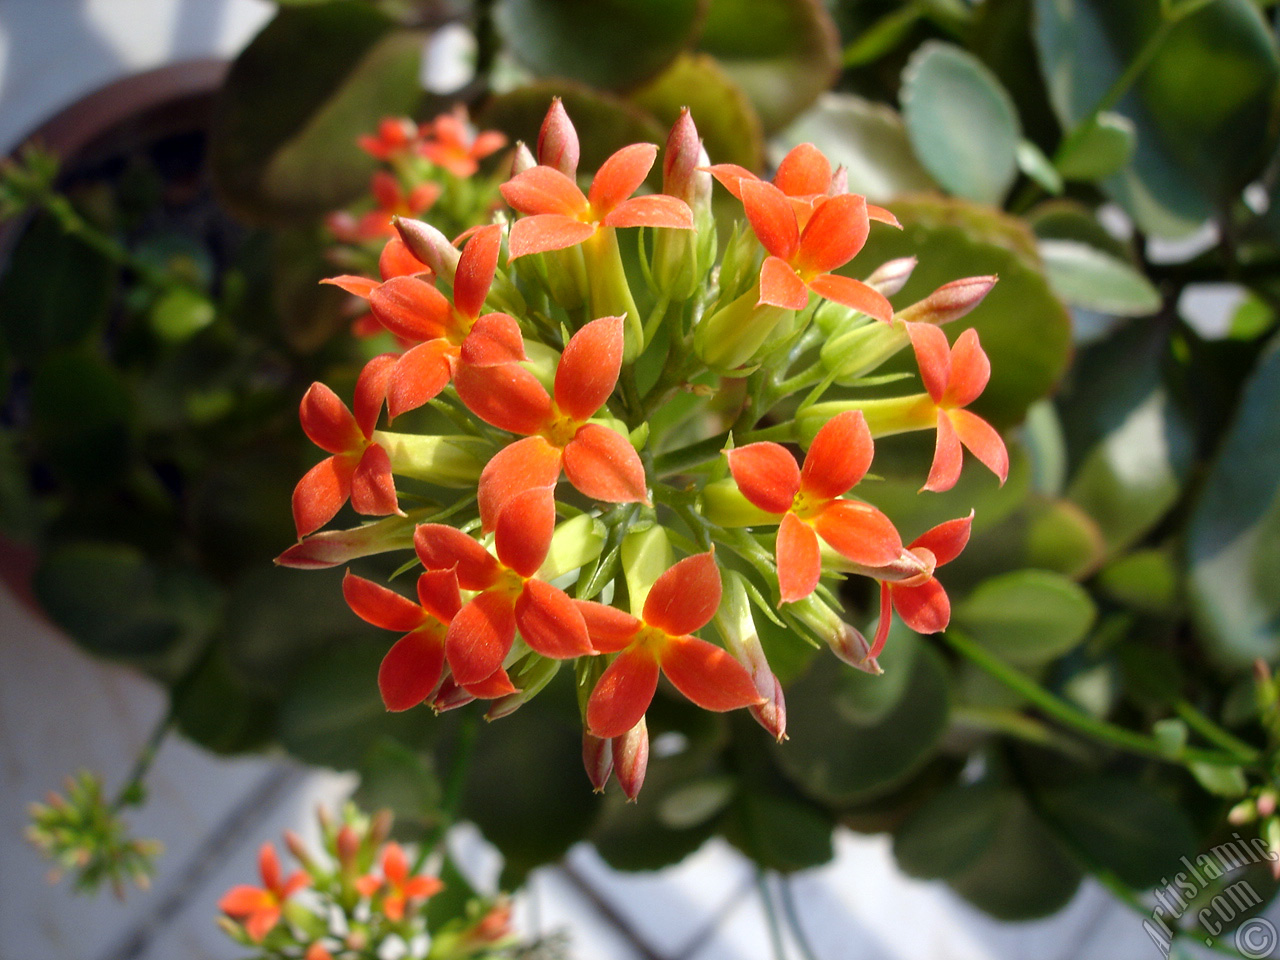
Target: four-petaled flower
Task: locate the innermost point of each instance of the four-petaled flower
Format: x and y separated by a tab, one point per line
921	601
810	505
394	261
558	215
411	669
599	462
391	200
395	138
954	377
401	888
451	142
510	596
359	469
682	600
259	908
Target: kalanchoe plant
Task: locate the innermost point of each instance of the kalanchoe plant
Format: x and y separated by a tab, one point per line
670	424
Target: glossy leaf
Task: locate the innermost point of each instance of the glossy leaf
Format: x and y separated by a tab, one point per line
181	314
1086	277
1028	616
949	831
82	415
1102	150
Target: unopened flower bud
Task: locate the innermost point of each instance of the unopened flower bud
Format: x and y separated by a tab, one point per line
447	461
574	544
951	301
724	505
494	926
839	184
892	275
430	246
558	141
680	173
529	677
523	159
845	642
597	758
740	268
380	826
631	759
737	626
731	337
1246	811
885	417
347	846
318	951
331	548
450	696
646	555
681	258
295	846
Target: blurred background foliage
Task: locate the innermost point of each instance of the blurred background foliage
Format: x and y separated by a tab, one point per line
1115	163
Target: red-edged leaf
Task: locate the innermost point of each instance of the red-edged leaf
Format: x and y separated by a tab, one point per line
550	623
411	669
982	440
707	675
371	391
622	694
494	340
731	176
684	598
772	218
946	540
859	532
653	210
321	493
438	593
589	366
419	375
356	286
476	268
805	170
375	604
507	396
542	189
525	526
396	261
780	286
767	475
480	636
970	371
620	176
411	308
834	234
947	457
853	294
603	465
609	628
547	231
925	609
799	559
373	490
524	465
327	422
441	547
838	457
933	357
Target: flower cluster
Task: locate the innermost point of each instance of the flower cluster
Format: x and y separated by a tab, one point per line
357	898
623	437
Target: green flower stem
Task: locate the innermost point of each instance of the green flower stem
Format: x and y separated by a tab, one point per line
1214	733
1072	716
131	793
459	766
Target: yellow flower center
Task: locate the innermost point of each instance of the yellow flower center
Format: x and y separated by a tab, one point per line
807	507
560	429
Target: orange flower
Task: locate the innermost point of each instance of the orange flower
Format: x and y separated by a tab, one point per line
682	600
921	602
558	215
810	505
401	888
390	200
451	142
954	377
259	908
395	138
394	261
598	461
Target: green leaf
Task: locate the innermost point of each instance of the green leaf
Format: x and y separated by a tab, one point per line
215	709
1233	540
612	46
1033	162
868	139
949	831
783	53
1145	580
81	413
727	122
1097	151
1069	220
1062	538
1228	782
283	142
696	801
780	832
1086	277
55	291
1171	733
961	122
180	314
882	36
1028	616
1123	825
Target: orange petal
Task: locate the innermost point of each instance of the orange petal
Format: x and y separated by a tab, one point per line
603	465
373	491
411	308
476	267
327	422
886	621
396	261
772	218
838	457
970	371
262	922
419	376
480	636
375	604
707	675
859	532
494	340
441	547
589	366
946	540
933	357
411	669
548	231
487	142
371	391
357	286
731	176
620	176
243	900
395	865
622	694
524	465
654	210
507	396
781	287
385	189
525	526
550	622
438	593
803	171
834	234
419	888
321	493
982	440
947	458
269	867
609	628
881	215
799	559
685	598
497	684
925	609
767	475
541	190
853	294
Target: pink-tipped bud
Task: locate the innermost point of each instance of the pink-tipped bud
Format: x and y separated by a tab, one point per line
1246	811
845	642
631	759
348	846
523	159
839	184
450	696
295	846
680	173
318	951
951	301
597	758
892	275
380	826
332	548
736	625
430	246
772	714
558	141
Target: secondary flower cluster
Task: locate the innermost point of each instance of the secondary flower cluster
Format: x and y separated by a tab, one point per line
668	394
